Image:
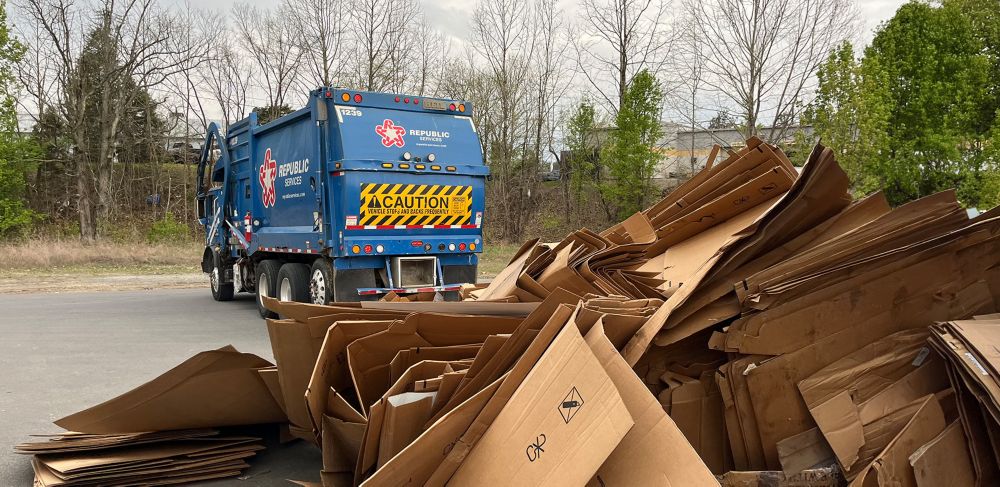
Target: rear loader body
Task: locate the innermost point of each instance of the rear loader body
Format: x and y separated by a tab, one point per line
365	193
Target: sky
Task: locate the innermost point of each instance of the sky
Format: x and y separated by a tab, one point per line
452	16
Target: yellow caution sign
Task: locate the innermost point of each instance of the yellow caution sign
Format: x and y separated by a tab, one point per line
414	204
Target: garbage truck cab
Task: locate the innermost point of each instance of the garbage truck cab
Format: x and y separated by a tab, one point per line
353	196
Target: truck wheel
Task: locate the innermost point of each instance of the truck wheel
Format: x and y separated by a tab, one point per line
221	291
293	282
267	285
321	279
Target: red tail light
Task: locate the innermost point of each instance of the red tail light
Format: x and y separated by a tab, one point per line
416	243
461	246
451	107
357	98
368	248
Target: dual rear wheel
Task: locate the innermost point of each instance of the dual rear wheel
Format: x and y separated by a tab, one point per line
293	281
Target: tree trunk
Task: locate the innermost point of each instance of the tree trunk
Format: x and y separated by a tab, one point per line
85	201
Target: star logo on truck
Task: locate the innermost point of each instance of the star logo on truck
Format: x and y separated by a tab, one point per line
268	172
392	134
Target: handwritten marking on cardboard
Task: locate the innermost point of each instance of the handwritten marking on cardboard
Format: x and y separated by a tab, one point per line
535	450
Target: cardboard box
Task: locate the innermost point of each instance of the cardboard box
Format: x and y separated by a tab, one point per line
560	425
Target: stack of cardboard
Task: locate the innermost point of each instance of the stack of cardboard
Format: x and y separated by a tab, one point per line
965	452
164	458
159	433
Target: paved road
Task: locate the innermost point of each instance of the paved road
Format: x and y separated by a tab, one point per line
60	353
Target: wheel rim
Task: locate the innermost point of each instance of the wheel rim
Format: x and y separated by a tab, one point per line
215	279
317	287
285	290
262	289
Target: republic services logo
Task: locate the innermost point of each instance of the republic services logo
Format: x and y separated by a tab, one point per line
268	172
392	134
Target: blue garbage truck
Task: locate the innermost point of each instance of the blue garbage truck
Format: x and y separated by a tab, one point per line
356	195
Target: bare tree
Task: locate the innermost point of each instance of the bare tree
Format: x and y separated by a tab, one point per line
273	46
625	37
197	33
227	77
687	98
319	29
433	51
762	55
503	38
382	42
552	73
102	59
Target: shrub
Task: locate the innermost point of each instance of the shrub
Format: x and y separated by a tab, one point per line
168	230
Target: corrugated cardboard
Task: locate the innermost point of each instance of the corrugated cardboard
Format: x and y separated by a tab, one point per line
821	477
369	357
341	447
654	451
405	415
296	345
892	466
561	424
944	460
833	394
417	462
215	388
331	376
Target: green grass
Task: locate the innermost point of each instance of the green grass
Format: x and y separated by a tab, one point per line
495	257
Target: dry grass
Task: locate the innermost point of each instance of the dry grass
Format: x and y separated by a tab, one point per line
44	256
48	256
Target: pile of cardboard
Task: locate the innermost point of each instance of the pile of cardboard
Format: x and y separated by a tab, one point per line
428	397
163	432
758	326
793	332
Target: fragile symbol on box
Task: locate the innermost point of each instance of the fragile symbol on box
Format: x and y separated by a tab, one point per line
570	405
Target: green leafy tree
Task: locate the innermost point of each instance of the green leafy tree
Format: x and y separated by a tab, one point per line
926	71
631	156
984	16
850	114
582	160
17	152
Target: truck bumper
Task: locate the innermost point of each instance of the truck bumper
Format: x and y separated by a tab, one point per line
408	290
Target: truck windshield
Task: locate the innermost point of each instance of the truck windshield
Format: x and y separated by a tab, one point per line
381	134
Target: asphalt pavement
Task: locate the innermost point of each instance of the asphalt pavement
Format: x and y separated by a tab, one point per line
61	353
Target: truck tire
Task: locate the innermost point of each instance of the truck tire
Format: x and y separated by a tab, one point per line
293	282
267	285
321	279
221	291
